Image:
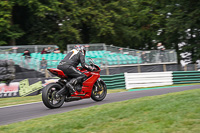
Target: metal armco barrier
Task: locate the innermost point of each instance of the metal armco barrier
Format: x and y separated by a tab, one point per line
116	81
186	77
150	79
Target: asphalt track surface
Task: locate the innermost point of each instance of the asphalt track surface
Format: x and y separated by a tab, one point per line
24	112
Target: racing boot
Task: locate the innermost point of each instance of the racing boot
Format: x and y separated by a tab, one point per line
8	82
71	85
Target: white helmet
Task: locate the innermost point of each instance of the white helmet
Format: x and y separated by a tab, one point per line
80	48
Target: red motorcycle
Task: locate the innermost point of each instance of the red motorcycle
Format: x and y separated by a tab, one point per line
93	87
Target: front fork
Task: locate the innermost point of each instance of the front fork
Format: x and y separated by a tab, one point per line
98	85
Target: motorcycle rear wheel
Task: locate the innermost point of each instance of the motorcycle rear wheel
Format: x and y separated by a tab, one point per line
48	96
100	93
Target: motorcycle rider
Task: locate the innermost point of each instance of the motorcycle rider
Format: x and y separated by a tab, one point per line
70	62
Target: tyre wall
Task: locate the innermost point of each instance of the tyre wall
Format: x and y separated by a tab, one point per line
7	70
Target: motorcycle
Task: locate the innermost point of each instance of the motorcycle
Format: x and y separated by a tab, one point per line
55	94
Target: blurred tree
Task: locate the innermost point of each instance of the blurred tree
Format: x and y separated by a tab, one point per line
8	31
25	21
181	25
139	24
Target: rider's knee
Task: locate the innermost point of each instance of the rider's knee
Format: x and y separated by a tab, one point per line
73	81
82	78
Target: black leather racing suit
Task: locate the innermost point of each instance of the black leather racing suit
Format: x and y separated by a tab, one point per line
68	66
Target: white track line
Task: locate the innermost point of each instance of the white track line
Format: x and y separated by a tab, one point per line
19	105
39	102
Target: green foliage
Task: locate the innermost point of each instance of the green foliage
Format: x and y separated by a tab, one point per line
139	24
5	16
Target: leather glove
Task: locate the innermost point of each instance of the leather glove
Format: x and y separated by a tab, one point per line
91	68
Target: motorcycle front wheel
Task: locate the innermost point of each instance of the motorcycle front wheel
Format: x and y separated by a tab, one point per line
99	91
49	96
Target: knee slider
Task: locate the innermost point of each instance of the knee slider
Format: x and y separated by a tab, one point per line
68	84
83	78
73	81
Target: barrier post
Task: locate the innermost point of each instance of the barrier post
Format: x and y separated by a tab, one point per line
164	68
47	75
139	70
195	67
107	71
185	68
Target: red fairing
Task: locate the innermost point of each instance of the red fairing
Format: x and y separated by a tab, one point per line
87	85
57	72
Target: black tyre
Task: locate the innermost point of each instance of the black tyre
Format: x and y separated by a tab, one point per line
99	92
48	96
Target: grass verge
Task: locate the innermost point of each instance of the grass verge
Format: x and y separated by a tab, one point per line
174	112
167	86
19	100
37	98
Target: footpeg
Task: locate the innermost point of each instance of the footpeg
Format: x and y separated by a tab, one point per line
69	99
81	94
76	94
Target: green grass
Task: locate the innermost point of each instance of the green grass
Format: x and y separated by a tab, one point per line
19	100
175	112
161	87
116	90
168	85
37	98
